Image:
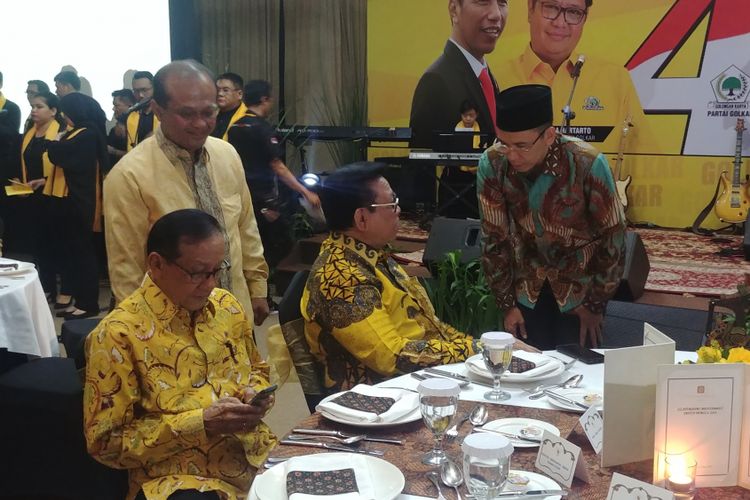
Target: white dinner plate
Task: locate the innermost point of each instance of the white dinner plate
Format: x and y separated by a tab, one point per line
387	480
552	368
537	482
580	394
514	426
23	267
412	416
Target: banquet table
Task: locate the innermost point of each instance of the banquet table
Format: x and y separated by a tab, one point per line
26	323
418	439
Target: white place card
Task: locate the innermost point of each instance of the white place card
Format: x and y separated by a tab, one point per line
561	460
702	411
626	488
629	396
593	427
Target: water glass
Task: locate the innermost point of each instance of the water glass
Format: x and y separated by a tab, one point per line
486	464
497	351
438	402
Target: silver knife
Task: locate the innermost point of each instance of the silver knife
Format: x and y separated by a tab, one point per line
564	399
530	494
320	432
443	373
333	447
419	376
509	435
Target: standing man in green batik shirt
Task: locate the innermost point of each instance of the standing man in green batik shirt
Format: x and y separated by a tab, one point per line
553	230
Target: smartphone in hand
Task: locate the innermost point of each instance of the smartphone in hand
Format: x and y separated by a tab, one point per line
263	394
581	353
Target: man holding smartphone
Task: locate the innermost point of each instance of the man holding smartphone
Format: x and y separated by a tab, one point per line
175	388
553	229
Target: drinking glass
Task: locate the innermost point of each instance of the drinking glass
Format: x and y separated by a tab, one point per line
486	464
497	351
438	402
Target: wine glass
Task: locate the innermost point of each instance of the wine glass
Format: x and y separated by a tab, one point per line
438	402
486	464
497	351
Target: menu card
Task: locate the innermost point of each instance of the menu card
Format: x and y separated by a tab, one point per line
703	411
629	396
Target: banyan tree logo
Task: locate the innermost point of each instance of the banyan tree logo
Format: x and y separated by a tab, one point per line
592	103
731	86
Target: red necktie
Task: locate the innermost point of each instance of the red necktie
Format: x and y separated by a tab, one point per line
489	93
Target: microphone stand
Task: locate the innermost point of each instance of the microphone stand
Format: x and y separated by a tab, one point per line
567	111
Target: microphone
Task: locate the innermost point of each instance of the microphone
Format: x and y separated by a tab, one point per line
139	106
576	72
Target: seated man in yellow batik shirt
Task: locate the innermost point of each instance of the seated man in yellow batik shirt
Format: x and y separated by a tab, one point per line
171	372
365	319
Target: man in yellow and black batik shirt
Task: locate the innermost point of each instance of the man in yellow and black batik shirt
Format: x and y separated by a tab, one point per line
365	319
604	96
172	371
229	99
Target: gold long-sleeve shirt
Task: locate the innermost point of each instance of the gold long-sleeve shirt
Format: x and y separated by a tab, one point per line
150	372
151	181
366	320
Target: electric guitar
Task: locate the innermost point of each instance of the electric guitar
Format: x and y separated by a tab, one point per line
733	202
622	185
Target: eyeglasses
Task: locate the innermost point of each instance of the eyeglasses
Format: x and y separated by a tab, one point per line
572	15
506	149
226	90
142	90
191	114
202	276
393	204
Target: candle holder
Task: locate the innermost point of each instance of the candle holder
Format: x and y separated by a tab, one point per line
680	476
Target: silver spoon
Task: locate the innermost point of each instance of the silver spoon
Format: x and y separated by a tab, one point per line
479	415
452	476
433	476
349	440
573	381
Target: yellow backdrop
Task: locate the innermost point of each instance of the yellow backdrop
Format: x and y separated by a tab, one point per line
404	37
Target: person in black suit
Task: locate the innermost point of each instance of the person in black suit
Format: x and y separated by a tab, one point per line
460	73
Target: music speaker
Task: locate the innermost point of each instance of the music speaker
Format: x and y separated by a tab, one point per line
449	234
636	269
746	241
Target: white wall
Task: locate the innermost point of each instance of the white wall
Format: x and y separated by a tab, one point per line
101	39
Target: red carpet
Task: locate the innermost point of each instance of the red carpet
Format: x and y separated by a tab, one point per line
686	263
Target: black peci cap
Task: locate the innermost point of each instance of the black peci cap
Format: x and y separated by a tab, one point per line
524	107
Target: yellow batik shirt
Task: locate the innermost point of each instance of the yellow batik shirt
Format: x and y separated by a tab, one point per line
367	321
150	372
604	97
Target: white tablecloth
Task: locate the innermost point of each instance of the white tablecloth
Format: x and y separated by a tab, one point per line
593	379
26	323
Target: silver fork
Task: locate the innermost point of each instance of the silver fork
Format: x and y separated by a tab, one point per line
433	476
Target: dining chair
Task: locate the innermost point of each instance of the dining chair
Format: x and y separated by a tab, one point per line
292	324
41	427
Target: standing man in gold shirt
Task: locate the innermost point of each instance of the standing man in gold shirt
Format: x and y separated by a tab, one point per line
171	374
180	166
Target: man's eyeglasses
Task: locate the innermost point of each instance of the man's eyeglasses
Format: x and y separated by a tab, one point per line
572	15
202	276
190	115
142	90
393	204
226	90
506	149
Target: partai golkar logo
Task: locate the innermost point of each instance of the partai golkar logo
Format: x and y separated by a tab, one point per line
731	89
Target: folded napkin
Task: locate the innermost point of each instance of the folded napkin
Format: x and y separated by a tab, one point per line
363	403
543	364
328	476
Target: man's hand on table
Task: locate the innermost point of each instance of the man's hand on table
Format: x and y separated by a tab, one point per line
231	415
514	324
260	309
591	326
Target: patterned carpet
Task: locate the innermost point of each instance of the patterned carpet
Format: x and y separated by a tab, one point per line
686	263
681	262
